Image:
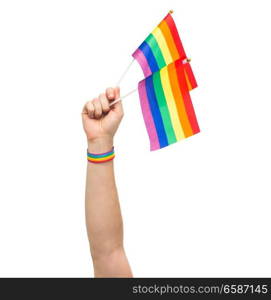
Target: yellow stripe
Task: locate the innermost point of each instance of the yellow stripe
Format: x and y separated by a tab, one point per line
102	158
171	104
162	44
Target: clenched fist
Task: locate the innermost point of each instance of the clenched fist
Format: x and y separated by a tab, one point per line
101	121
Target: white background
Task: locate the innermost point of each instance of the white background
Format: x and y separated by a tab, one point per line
200	207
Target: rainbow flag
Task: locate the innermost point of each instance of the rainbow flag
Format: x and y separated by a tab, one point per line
166	105
162	47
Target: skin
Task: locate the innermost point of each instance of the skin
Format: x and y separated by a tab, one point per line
103	214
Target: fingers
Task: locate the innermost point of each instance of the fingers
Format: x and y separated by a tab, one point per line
98	107
104	102
88	109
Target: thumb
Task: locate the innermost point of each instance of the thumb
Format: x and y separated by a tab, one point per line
118	106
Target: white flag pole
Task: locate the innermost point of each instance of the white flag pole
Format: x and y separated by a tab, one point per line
117	100
122	97
185	61
125	72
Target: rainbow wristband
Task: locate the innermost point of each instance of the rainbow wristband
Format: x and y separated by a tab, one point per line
101	157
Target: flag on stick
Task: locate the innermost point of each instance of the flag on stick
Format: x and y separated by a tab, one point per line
166	105
162	47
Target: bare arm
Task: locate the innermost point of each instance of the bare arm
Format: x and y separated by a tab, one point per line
103	215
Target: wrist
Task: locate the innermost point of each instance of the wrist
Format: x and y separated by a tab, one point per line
100	145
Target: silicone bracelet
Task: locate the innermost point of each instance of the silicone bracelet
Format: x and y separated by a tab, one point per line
98	158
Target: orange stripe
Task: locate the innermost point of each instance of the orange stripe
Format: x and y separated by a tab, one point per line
188	81
190	75
179	100
101	158
169	39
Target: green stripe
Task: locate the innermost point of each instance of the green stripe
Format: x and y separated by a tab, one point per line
162	103
156	50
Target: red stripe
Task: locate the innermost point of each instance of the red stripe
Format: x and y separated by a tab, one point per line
171	24
174	31
186	97
190	75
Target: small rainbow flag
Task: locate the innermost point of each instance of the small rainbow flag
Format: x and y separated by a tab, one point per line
166	106
162	47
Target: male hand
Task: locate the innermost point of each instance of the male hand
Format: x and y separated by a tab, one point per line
100	121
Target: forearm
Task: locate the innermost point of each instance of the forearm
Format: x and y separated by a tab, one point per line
103	216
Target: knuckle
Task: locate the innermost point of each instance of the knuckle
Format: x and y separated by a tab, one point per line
98	109
104	101
110	93
89	106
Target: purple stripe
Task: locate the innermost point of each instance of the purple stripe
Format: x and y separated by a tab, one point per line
140	57
97	154
147	115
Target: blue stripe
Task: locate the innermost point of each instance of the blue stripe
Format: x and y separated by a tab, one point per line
145	48
157	118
